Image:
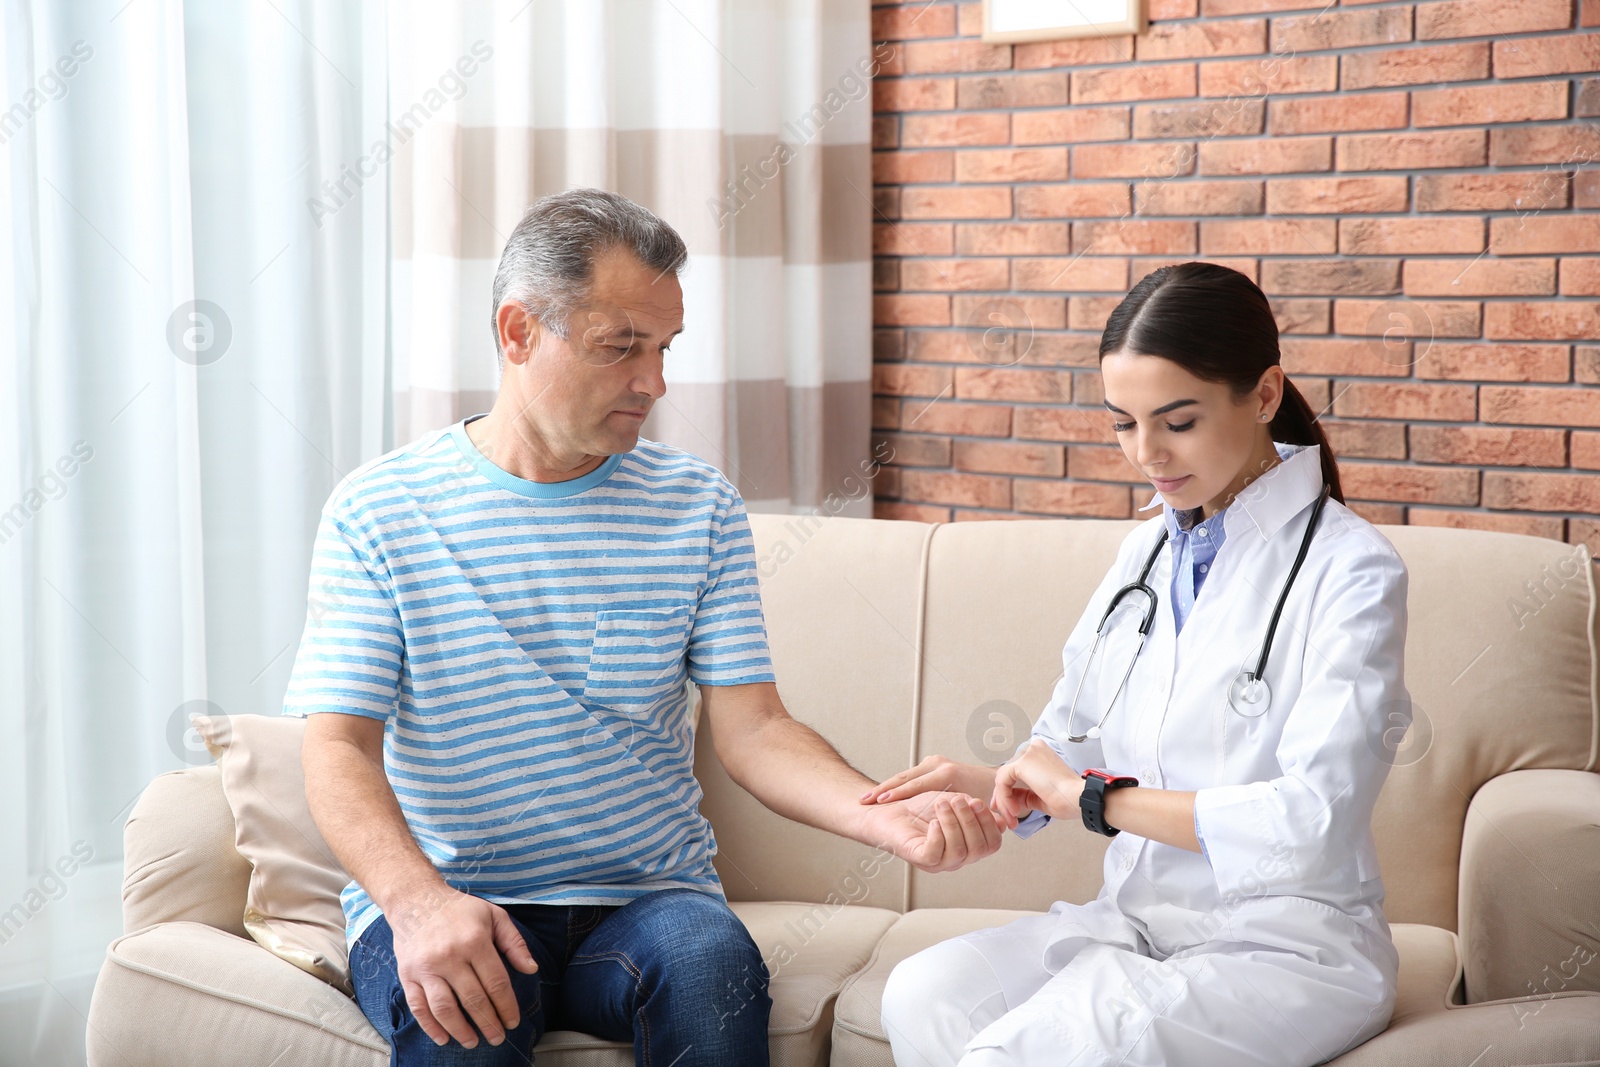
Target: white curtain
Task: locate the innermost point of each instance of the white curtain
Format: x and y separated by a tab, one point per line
232	271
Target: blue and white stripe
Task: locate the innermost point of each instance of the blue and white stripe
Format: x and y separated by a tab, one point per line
529	646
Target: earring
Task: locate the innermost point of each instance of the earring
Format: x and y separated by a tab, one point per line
1265	416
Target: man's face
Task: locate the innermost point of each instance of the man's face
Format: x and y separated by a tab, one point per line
588	394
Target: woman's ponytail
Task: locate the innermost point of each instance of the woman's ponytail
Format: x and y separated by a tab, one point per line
1296	424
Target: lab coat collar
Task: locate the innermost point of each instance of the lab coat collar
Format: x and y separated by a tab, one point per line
1275	497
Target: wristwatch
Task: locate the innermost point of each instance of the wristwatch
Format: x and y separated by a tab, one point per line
1092	801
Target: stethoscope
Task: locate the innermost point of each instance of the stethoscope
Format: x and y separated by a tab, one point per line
1249	695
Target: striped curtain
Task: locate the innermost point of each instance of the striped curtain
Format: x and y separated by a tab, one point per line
745	124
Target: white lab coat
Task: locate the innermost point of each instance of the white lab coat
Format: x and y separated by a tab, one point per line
1273	949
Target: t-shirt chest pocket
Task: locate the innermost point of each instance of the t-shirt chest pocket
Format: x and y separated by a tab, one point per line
638	656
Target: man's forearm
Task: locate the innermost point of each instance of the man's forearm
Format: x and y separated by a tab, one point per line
793	770
354	806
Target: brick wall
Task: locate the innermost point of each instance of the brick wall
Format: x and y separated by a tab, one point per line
1413	186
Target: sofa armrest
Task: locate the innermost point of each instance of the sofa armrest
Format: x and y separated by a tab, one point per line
1530	900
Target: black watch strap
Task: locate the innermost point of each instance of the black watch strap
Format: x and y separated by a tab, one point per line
1092	801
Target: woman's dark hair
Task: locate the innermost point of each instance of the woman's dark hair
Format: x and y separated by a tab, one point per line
1216	324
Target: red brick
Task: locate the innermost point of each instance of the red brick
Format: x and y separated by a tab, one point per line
1080	274
1365	358
944	275
1336	196
1396	400
1235	117
1014	383
1072	498
913	238
1011	165
1575	320
1571	145
1540	405
1514	236
886	482
1160	81
1585	449
941	57
1269	237
1074	52
1589	15
886	203
1076	200
891	60
1133	237
1580	277
1065	424
1492	192
1367	440
911	380
1199	198
969	203
1158	160
925	131
1098	464
1480	277
1301	315
912	449
1586	189
1250	7
1273	74
1412	151
1586	364
1046	89
1012	312
907	23
885	413
1319	277
1269	156
884	509
1338	114
1202	40
1091	312
1489	446
1480	104
1070	126
1477	520
1393	236
1011	238
1415	66
1394	319
902	310
892	168
1423	485
885	131
1341	29
1379	514
913	94
1011	457
1496	362
1490	18
1540	57
964	490
1065	350
967	420
1541	491
1173	9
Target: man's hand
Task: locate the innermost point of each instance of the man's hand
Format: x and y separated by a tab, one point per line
447	947
934	831
1037	780
934	774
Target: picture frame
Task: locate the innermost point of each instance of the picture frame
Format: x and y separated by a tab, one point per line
1007	21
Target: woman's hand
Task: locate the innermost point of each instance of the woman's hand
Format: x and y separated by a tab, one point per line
933	775
1037	780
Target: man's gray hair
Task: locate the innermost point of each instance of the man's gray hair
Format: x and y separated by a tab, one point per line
548	263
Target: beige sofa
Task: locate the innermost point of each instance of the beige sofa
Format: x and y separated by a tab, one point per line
897	640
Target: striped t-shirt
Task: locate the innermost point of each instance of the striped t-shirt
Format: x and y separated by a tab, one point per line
528	646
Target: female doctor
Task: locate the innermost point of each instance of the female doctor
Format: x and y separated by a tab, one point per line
1241	917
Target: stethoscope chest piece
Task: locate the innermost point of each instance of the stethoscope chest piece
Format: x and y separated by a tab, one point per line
1249	696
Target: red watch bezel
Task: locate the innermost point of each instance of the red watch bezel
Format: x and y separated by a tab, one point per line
1111	780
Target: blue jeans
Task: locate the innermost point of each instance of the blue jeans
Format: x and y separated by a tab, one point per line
674	971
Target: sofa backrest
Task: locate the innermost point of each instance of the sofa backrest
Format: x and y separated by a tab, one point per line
898	640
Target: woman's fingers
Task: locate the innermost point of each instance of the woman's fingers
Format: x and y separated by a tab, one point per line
931	775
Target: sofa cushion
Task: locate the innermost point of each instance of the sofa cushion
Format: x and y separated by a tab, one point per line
1428	975
180	862
292	903
188	983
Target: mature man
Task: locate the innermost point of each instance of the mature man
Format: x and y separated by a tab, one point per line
498	747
